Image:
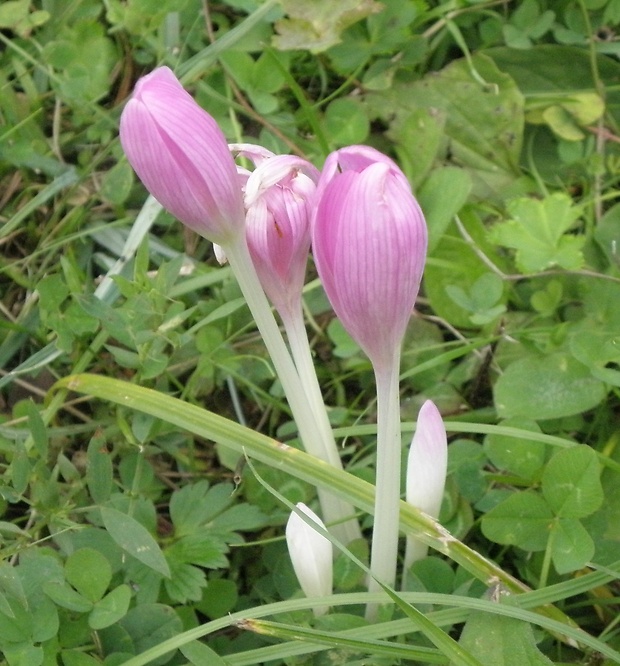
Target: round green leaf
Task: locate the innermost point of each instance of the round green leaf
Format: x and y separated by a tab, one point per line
571	482
546	387
346	122
111	608
151	624
523	457
523	520
66	597
219	598
89	572
572	546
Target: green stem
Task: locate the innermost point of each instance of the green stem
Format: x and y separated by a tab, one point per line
335	511
297	335
387	499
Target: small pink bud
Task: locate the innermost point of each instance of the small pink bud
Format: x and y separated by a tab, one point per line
428	461
181	156
279	195
311	554
369	242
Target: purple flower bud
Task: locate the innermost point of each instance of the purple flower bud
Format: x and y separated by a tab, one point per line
369	242
181	156
311	554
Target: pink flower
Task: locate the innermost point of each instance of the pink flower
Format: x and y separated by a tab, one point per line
181	156
279	195
369	242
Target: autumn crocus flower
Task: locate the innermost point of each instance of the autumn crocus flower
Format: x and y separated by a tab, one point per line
369	242
182	157
311	555
426	472
278	197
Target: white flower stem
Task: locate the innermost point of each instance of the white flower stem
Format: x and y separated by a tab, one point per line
384	548
414	551
297	335
335	511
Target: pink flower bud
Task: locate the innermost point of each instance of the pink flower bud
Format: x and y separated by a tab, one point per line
369	242
279	195
311	554
181	156
428	461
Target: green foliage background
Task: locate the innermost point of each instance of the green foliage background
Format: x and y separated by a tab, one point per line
129	525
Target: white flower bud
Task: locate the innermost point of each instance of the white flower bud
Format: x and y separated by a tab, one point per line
426	472
311	555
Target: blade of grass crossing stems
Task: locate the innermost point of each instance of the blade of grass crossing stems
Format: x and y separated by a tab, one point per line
332	640
446	617
458	656
447	645
295	462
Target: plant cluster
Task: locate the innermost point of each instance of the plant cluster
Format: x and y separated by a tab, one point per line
149	457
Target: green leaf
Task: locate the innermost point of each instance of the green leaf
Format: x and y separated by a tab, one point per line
116	183
150	624
524	519
23	655
189	508
496	640
77	658
89	572
99	469
598	349
200	654
240	517
186	582
546	387
134	539
66	597
537	230
37	428
546	301
483	129
523	457
483	298
346	122
318	25
203	548
607	235
10	587
85	56
418	135
571	545
111	608
571	482
454	262
439	209
219	598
